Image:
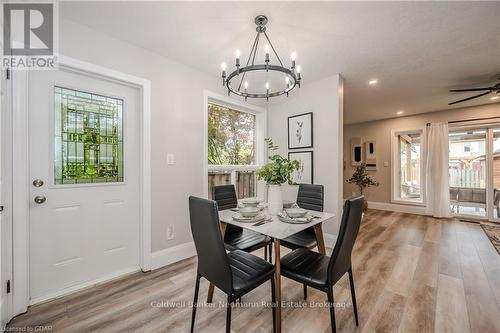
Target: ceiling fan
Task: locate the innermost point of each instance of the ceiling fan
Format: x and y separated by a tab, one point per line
487	90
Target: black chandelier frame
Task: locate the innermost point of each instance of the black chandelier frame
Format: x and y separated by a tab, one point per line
240	72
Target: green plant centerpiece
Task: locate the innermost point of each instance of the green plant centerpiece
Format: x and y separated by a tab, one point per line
275	173
362	180
279	170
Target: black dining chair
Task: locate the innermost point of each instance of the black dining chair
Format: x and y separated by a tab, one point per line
309	197
235	273
237	238
322	272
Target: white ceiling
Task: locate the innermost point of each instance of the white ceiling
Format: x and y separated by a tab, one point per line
416	50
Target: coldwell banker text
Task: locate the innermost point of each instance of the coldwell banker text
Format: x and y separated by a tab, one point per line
29	38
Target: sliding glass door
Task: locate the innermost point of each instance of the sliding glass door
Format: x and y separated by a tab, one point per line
495	206
474	171
468	172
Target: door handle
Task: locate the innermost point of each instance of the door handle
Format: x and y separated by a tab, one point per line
40	199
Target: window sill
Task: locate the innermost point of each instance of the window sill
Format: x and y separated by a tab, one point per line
408	203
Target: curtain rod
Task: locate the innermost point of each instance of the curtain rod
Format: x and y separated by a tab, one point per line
466	120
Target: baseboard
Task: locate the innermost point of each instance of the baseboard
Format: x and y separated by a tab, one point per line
172	255
330	240
420	210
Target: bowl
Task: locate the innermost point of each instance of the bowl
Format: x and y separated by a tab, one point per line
250	202
249	211
295	212
288	203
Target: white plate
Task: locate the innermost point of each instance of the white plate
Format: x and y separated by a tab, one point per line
301	220
238	218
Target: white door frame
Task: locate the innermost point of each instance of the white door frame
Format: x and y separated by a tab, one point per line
20	174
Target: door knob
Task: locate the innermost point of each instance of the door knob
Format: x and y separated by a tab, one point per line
40	199
38	183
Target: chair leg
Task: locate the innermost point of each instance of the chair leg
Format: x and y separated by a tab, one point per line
305	292
353	296
271	253
331	305
273	301
265	253
195	301
228	315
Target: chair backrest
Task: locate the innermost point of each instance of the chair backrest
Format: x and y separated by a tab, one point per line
225	196
311	197
213	263
340	261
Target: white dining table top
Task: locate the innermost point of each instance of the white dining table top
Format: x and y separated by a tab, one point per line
275	228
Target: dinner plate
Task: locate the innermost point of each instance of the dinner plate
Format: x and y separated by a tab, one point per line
301	220
238	218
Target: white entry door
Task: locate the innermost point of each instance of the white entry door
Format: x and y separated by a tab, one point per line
84	165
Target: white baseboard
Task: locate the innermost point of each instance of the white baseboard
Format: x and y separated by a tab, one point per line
172	255
420	210
330	240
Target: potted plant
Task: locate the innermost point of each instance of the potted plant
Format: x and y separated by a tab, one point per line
362	180
275	173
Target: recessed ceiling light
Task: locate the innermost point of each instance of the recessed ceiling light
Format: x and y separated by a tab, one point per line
400	112
494	97
372	82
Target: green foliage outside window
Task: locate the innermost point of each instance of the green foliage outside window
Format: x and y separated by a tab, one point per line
231	136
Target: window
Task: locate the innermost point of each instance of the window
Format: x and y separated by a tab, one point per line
232	148
407	164
88	138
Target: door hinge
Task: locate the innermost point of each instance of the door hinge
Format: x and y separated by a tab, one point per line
8	73
8	286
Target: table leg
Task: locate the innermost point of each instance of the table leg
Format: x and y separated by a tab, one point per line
277	266
211	287
318	231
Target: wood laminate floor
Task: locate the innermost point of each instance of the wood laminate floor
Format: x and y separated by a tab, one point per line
412	274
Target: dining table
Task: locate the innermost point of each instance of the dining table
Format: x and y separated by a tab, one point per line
277	230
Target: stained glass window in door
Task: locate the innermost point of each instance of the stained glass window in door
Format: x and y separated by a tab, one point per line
88	130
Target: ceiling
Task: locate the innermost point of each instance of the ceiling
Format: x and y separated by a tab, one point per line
416	50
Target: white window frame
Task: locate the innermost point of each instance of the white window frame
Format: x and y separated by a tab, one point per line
260	134
396	166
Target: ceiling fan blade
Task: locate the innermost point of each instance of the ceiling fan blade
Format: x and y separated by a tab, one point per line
471	89
469	98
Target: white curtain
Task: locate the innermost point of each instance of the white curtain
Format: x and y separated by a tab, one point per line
437	180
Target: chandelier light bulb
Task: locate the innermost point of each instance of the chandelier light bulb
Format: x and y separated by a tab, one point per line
287	80
238	53
223	66
245	85
298	69
267	86
293	56
267	48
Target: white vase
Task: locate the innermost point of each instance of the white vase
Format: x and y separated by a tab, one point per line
290	192
274	199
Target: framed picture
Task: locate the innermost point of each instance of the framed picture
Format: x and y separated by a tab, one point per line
300	131
305	173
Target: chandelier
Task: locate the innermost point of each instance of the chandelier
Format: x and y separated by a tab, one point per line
236	83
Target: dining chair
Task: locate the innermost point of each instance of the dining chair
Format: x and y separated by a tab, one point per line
309	197
322	272
237	238
235	273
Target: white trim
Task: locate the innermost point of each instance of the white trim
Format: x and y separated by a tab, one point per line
21	170
172	255
420	210
260	134
395	160
72	289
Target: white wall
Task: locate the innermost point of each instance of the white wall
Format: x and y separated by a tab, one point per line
176	122
380	131
323	98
